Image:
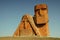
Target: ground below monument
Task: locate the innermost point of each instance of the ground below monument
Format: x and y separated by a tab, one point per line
29	38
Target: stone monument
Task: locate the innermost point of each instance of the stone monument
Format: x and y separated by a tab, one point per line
36	25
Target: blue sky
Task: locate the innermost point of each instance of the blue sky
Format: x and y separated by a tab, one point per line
11	12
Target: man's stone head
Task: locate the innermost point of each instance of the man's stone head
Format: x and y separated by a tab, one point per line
41	13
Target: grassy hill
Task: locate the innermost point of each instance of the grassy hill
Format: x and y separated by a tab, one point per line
28	38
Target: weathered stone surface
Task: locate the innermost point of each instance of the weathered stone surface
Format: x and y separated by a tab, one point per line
36	25
41	14
41	19
24	27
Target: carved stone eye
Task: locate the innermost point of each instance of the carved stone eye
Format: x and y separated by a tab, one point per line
43	8
37	10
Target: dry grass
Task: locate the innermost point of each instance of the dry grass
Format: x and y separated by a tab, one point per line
28	38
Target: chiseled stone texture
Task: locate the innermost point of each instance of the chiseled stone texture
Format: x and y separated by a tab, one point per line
36	25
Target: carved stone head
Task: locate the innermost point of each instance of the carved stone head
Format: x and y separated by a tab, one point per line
41	13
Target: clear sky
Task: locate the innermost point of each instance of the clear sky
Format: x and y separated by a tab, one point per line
11	12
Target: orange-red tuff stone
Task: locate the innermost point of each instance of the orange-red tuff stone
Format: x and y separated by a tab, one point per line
36	25
41	18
